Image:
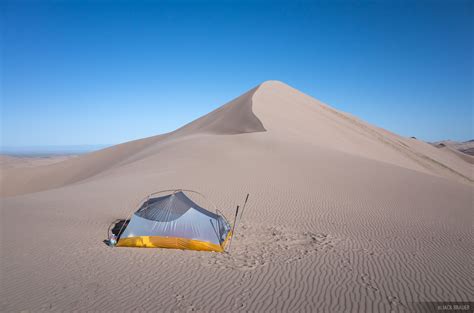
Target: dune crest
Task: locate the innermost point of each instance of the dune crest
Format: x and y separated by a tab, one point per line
235	117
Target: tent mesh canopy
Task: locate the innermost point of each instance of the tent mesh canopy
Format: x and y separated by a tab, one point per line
175	221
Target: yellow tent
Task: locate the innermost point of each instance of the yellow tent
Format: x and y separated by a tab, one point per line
175	221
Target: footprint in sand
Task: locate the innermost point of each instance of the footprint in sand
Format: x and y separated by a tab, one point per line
255	247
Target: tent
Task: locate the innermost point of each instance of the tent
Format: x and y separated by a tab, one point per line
175	221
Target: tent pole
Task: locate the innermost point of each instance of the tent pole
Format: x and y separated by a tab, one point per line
243	208
121	228
233	228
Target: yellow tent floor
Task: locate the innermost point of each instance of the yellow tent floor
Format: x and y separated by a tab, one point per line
171	243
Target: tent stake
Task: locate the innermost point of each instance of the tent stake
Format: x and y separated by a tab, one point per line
233	227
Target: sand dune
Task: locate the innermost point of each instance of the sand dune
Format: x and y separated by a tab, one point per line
289	115
343	216
7	161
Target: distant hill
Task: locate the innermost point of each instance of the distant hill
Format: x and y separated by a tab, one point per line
466	147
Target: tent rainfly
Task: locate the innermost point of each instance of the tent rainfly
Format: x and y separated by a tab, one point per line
175	221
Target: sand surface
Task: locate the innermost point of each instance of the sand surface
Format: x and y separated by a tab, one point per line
342	217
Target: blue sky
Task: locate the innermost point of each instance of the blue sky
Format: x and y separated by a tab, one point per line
89	73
